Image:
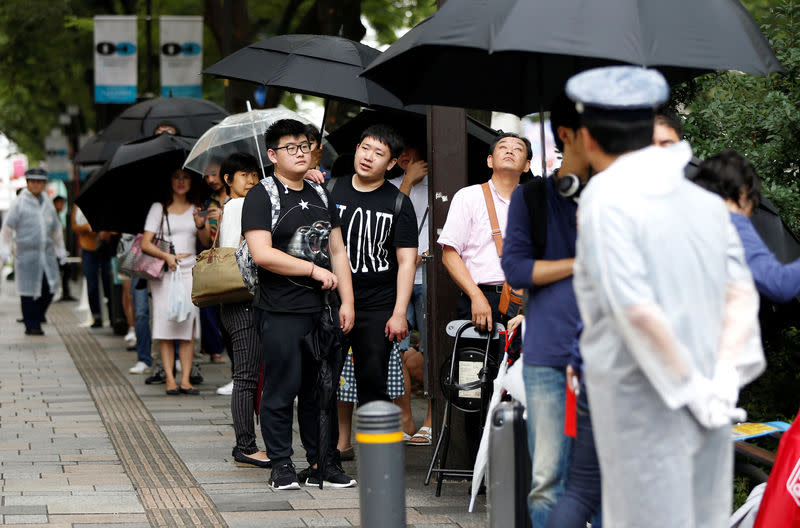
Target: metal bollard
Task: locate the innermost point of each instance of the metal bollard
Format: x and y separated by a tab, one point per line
381	465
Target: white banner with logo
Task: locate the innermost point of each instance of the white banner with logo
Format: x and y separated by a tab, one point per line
56	146
115	63
181	56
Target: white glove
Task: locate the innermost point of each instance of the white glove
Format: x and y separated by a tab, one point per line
726	382
709	408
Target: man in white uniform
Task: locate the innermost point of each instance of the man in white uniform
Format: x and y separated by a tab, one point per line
669	309
33	222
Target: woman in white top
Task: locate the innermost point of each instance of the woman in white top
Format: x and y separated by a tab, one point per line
240	174
177	220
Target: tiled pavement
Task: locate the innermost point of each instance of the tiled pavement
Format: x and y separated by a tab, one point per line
138	458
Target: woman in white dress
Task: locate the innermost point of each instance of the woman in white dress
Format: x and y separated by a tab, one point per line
178	221
240	174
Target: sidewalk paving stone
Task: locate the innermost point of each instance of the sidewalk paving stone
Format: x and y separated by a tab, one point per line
60	464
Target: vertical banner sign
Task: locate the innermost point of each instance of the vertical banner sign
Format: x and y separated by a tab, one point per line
56	146
115	64
181	56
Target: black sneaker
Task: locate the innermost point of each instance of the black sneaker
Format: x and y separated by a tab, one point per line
158	377
334	477
284	477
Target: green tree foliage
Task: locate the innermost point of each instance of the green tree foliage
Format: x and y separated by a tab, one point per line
46	48
758	117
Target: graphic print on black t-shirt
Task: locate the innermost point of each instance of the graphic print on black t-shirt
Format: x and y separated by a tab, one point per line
367	219
312	243
303	231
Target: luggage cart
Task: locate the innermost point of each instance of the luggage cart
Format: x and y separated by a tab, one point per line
466	381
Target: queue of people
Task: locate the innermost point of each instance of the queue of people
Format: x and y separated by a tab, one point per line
613	248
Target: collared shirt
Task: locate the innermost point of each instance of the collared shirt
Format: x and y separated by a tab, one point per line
469	231
419	199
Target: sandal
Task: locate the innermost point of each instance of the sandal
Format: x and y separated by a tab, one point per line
423	437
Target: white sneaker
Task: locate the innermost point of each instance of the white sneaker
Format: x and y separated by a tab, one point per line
226	390
140	368
177	365
130	337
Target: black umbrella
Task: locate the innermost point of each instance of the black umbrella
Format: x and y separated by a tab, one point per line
325	343
412	124
189	116
515	55
118	196
321	65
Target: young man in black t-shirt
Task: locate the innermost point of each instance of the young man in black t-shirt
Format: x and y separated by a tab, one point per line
299	257
382	250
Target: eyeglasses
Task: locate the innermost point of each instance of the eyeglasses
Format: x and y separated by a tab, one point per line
291	149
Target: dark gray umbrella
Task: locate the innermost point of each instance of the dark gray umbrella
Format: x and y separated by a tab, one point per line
515	55
190	116
325	343
321	65
118	196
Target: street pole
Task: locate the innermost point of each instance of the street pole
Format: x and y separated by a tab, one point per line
381	465
447	156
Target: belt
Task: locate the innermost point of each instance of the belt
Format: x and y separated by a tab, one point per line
491	288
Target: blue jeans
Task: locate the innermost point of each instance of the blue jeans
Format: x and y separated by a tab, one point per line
415	315
550	448
581	499
141	310
95	270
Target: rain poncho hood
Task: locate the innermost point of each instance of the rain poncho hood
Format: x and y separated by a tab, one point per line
34	224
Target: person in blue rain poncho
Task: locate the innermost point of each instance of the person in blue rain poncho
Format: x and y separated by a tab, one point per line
669	311
33	223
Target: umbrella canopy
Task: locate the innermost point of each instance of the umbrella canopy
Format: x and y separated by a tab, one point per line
325	343
190	117
237	133
413	124
524	50
119	195
321	65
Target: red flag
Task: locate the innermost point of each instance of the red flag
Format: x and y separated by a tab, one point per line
780	505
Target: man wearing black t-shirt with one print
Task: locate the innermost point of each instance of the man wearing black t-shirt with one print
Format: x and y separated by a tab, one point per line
382	250
298	258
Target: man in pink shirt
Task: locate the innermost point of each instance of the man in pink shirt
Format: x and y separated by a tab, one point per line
468	249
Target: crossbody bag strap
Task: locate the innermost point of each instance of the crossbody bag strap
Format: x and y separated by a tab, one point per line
422	223
496	234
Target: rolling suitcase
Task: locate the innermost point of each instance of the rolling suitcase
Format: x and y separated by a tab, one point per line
509	479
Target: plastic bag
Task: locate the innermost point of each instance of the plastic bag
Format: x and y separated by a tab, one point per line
180	305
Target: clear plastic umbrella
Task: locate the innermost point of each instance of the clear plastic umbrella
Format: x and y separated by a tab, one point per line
237	133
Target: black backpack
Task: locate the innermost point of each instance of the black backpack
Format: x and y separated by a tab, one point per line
535	194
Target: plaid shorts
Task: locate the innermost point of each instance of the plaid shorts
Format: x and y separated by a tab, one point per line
395	384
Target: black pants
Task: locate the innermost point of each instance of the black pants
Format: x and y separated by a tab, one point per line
33	310
289	372
371	352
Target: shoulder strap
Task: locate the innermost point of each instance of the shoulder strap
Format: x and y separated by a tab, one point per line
535	194
496	234
320	191
331	184
274	197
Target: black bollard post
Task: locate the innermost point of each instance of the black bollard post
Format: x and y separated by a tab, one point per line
381	465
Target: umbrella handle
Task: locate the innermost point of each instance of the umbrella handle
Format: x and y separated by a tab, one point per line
255	138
